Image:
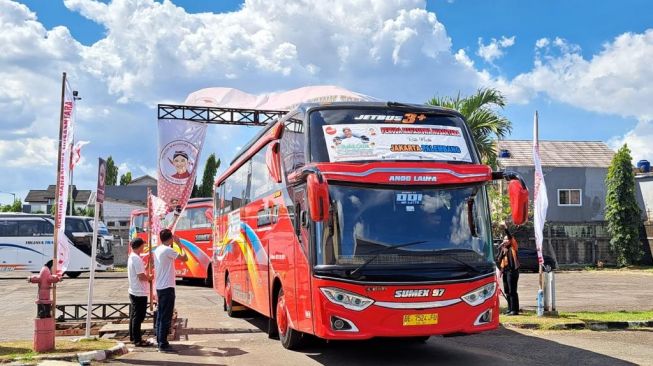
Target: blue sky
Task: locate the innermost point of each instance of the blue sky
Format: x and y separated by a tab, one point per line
584	65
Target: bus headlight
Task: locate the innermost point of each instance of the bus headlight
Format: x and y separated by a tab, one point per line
347	299
478	296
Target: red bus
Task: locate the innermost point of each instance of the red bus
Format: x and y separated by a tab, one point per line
358	220
192	233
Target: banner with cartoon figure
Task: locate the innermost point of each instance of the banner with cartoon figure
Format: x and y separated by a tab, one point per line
180	145
356	142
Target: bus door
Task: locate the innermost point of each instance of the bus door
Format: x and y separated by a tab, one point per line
301	261
238	257
257	228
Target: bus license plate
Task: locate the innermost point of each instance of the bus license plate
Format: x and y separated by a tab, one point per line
420	319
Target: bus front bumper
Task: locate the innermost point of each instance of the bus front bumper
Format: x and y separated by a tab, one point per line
393	315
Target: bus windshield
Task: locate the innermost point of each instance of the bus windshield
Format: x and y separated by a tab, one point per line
406	227
383	134
194	218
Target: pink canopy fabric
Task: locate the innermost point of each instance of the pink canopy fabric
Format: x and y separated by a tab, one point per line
234	98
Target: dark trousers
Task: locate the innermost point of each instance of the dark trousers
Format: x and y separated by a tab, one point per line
510	279
164	314
136	317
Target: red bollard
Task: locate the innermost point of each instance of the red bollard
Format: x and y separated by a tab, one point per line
44	322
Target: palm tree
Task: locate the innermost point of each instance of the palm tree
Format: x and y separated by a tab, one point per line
483	119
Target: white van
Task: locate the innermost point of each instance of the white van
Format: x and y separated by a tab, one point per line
26	244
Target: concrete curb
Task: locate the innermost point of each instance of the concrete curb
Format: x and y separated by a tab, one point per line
82	357
117	350
581	325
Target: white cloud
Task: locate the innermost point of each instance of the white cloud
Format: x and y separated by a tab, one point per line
542	42
495	49
617	81
638	140
28	152
260	49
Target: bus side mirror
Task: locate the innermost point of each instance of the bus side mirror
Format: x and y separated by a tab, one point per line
209	214
318	197
518	201
273	161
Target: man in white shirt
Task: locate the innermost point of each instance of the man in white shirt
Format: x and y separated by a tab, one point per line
349	138
139	290
164	270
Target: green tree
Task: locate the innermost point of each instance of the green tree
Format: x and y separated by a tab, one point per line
17	206
112	172
208	179
195	191
125	179
621	209
88	211
481	112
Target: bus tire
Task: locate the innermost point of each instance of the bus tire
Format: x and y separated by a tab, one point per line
290	339
228	300
208	281
418	339
73	274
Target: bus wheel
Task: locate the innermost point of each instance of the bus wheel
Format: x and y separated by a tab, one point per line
290	338
208	281
73	274
419	339
228	300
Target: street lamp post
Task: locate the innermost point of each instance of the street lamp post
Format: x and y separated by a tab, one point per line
13	194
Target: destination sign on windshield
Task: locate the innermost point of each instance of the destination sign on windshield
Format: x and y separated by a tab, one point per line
387	141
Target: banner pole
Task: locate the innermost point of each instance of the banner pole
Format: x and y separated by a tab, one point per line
92	275
149	245
536	134
70	184
56	199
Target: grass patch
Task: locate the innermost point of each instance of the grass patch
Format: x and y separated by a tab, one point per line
549	322
23	349
636	269
119	269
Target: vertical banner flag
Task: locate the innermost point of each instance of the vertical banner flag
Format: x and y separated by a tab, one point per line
540	200
157	210
77	153
180	145
67	135
101	177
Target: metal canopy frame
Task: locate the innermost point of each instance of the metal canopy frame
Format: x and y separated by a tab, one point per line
219	115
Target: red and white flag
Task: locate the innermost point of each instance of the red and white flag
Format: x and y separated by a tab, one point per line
180	145
158	210
65	152
77	153
540	200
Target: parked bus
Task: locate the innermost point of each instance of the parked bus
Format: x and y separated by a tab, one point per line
27	243
192	233
360	220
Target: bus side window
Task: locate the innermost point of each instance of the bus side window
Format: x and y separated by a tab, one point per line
46	228
8	228
29	228
236	188
292	144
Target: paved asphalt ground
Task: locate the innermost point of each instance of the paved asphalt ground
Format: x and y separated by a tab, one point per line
212	338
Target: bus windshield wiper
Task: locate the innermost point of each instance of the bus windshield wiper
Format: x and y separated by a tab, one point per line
359	268
468	265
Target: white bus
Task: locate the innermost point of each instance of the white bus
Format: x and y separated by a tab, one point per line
26	244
